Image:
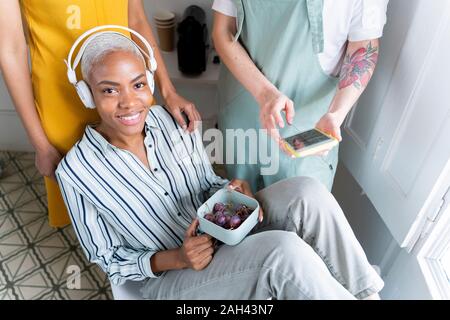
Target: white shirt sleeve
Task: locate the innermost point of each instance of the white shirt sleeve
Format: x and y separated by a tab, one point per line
102	244
227	7
368	20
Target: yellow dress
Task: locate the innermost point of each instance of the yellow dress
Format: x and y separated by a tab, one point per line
53	26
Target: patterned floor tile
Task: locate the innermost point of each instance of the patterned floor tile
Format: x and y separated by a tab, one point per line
52	295
43	199
31	174
21	264
80	294
7	294
101	277
34	286
7	224
34	258
51	247
25	163
12	244
19	197
69	232
60	269
3	156
10	175
25	155
6	189
39	229
2	282
39	187
101	297
3	205
88	287
29	212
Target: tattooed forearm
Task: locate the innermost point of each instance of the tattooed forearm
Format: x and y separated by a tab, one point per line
358	67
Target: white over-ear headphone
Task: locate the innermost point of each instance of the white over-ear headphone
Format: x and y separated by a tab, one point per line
81	86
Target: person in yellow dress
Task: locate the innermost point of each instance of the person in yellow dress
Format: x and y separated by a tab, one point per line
46	102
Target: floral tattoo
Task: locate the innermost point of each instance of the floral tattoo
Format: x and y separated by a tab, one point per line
357	68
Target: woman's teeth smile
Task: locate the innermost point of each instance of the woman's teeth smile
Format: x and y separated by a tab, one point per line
130	119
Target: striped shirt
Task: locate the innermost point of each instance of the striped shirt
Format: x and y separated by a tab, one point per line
122	211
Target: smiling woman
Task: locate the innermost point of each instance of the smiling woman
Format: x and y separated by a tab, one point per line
122	89
122	102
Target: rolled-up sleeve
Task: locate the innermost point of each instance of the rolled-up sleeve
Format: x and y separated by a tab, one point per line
101	243
369	19
225	7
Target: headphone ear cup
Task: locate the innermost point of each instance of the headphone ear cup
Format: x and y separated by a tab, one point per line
84	92
150	80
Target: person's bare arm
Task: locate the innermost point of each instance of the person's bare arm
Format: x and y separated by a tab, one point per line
16	72
137	20
271	101
196	253
359	65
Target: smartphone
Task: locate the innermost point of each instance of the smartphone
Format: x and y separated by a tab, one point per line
309	142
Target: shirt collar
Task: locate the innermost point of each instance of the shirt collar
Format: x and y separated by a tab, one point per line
151	123
96	140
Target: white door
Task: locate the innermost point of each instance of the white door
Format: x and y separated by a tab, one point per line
396	142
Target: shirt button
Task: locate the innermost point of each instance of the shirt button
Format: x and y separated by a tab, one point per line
156	169
166	194
179	213
150	145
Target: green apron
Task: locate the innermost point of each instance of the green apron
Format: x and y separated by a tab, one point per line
283	38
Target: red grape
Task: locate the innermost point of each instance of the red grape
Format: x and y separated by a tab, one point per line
228	216
235	221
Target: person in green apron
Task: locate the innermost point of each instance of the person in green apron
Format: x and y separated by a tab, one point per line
274	57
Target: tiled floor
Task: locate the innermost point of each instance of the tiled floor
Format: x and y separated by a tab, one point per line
36	260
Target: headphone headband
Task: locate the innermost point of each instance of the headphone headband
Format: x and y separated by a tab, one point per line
71	74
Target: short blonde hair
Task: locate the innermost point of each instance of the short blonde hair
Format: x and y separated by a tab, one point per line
101	46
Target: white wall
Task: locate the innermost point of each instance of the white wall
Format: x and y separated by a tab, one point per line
12	133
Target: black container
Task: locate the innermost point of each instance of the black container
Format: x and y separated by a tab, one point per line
192	43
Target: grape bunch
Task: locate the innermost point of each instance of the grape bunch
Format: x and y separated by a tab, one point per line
228	216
